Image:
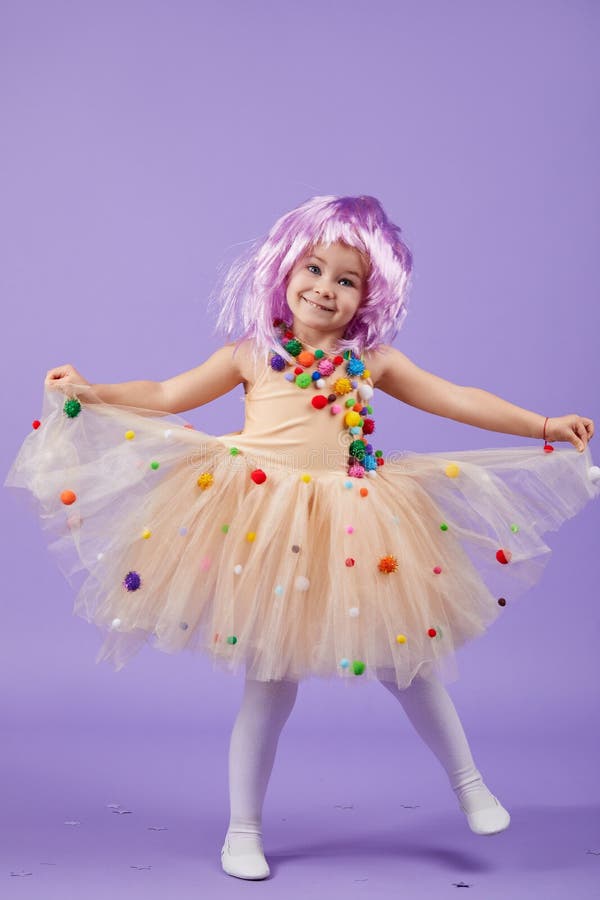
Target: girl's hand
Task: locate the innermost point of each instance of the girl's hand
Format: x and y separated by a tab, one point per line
576	429
60	379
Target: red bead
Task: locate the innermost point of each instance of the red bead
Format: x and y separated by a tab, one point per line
349	562
319	401
36	423
298	370
338	360
503	556
437	569
258	476
548	448
431	632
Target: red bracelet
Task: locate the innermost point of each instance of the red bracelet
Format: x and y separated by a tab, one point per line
548	448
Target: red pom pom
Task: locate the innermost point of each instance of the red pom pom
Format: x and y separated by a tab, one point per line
431	632
349	562
548	448
319	401
277	322
188	425
298	370
258	476
379	460
368	426
289	335
437	569
36	423
338	360
503	556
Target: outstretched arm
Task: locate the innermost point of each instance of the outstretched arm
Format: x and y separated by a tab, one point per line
220	373
402	379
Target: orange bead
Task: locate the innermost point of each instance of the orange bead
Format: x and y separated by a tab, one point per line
68	497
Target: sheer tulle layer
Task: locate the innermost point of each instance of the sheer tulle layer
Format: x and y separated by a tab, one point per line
170	540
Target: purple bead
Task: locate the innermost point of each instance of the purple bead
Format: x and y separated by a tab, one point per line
132	581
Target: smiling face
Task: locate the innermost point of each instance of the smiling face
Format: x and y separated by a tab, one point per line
325	288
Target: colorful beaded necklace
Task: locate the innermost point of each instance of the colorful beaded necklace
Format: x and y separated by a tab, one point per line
362	459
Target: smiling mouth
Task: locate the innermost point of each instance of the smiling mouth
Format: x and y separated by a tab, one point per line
317	305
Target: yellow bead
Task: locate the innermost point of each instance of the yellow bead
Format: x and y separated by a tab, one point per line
146	533
400	639
205	480
351	418
452	470
306	478
130	435
251	535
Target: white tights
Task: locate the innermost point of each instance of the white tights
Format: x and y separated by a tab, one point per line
266	706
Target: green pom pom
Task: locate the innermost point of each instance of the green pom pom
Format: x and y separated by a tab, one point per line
224	528
357	449
293	347
350	401
514	528
444	527
303	379
319	354
72	407
233	451
379	453
370	410
154	465
358	667
232	639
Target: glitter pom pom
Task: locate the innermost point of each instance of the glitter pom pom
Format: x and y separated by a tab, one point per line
277	362
132	581
387	564
72	407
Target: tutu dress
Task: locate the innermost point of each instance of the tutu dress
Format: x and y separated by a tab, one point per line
288	547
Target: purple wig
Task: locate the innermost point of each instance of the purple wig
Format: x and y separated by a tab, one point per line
253	292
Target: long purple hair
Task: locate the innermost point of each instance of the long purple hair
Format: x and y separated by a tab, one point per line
253	291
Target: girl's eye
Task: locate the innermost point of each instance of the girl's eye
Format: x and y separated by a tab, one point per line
351	283
312	266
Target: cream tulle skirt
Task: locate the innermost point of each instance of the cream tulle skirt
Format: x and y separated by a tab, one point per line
166	537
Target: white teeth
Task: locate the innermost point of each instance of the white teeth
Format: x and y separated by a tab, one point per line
316	305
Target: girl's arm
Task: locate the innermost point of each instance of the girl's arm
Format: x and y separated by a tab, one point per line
405	381
219	374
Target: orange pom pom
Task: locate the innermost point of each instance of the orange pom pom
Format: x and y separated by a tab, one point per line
388	564
68	497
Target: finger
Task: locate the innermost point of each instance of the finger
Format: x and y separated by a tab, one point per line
580	435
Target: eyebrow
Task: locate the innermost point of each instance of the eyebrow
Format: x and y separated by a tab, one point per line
349	271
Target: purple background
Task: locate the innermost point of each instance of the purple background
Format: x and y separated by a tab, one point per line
143	144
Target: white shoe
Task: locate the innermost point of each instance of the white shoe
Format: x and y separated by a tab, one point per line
251	864
488	821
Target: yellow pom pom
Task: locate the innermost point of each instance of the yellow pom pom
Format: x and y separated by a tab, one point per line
352	418
452	470
146	533
306	477
130	435
251	535
205	480
400	639
366	373
342	386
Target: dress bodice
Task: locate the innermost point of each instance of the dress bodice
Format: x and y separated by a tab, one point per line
282	424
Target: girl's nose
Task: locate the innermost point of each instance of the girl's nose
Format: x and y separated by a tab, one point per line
323	289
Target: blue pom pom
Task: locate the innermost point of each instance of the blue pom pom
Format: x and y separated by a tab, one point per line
355	366
316	376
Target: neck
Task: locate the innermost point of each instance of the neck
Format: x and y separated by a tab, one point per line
315	340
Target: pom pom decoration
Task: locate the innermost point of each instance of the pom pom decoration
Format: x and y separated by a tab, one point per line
400	638
387	564
36	424
503	556
293	347
368	426
301	583
356	470
358	666
258	476
130	435
350	562
431	632
594	473
205	480
437	570
452	470
342	386
501	601
132	581
306	358
319	401
72	407
67	497
277	363
355	366
325	367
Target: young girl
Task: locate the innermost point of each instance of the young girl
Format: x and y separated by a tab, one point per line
295	547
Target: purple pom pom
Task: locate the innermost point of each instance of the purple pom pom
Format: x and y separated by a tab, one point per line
368	448
277	362
132	581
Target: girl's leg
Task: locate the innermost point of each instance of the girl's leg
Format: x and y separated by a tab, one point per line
266	705
434	717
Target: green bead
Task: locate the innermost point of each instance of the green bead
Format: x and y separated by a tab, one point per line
72	407
514	528
319	354
232	639
444	527
224	528
154	464
379	453
370	410
303	379
233	451
358	667
350	401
